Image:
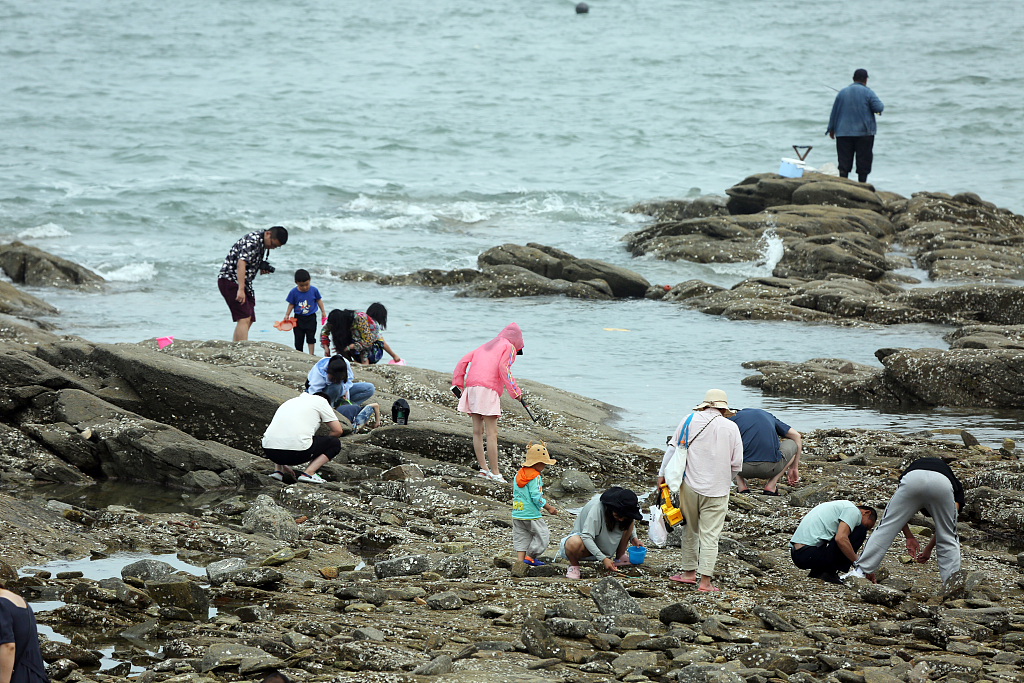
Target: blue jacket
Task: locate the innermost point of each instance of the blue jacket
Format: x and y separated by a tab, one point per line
853	112
317	377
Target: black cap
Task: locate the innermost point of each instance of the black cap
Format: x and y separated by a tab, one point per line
622	501
860	75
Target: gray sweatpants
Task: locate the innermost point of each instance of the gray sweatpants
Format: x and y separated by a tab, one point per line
918	489
530	536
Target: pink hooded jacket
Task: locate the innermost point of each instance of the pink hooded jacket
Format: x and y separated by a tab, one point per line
491	364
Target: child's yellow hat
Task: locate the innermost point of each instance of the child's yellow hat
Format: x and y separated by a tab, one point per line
537	452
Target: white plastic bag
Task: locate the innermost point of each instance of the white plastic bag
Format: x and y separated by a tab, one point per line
675	470
657	533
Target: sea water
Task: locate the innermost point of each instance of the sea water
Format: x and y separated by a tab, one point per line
142	140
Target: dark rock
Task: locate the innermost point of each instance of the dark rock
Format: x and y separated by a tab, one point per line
53	651
539	641
368	633
447	600
235	656
877	594
680	612
182	594
361	592
771	619
253	613
569	628
442	664
623	282
268	518
527	257
612	599
36	268
249	576
402	566
574	481
216	571
454	567
402	472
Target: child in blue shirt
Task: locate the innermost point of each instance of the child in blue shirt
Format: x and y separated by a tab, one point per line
530	533
304	298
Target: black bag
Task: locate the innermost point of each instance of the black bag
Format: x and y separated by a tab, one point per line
400	412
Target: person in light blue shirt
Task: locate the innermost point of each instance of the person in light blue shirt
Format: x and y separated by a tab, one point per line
828	538
852	125
333	376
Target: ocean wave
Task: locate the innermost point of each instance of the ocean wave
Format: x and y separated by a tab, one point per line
47	230
135	272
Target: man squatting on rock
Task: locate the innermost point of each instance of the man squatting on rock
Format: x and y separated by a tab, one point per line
289	439
603	530
852	125
333	376
928	485
246	258
828	538
764	456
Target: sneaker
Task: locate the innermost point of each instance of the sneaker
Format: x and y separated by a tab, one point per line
826	576
276	475
310	478
572	573
856	572
532	562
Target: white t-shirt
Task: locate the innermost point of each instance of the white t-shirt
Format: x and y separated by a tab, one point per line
296	421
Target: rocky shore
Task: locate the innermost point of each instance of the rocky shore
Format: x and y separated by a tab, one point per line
400	567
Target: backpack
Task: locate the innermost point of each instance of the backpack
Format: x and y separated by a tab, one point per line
400	412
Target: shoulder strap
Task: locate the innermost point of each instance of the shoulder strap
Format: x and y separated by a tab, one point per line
689	441
686	430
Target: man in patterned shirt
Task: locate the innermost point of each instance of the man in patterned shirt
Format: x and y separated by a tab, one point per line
245	259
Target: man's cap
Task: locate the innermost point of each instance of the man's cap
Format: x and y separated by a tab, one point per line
860	75
714	398
537	452
622	501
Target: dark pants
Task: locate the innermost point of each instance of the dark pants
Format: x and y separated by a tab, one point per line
305	328
860	146
828	557
322	445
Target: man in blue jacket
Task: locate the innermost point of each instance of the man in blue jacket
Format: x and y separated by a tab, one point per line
852	125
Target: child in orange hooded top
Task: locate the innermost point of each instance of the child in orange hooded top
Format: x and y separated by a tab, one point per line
479	391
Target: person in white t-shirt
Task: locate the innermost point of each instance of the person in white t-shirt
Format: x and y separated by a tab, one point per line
289	439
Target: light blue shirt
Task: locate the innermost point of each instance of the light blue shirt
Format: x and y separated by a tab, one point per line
819	526
527	501
317	378
853	112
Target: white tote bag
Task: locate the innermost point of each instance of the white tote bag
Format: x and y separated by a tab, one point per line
675	470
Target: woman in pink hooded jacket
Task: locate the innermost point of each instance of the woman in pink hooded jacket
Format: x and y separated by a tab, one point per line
479	391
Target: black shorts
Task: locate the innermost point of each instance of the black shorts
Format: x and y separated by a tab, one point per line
305	326
322	445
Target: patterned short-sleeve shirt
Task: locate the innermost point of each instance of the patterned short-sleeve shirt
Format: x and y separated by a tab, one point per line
249	249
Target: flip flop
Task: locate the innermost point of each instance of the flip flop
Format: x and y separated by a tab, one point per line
711	589
744	491
678	578
766	492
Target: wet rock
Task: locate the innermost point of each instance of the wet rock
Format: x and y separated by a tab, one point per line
623	282
838	193
448	600
182	594
60	669
662	643
53	651
36	268
402	566
527	257
716	627
809	496
851	254
539	641
497	282
940	665
770	660
632	661
249	576
367	655
217	571
612	599
708	673
268	518
236	656
253	613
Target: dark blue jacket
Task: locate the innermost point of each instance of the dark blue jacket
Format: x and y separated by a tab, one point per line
853	112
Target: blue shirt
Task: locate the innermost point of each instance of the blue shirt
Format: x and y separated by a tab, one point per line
317	378
819	526
760	431
853	112
527	501
303	302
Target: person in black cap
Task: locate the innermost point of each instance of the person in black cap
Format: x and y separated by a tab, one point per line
852	125
604	529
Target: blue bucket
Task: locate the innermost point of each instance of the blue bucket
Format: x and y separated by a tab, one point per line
637	554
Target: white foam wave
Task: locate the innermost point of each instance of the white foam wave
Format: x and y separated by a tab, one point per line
135	272
47	230
770	248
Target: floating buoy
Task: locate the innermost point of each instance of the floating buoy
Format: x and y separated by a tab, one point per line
668	288
582	8
615	329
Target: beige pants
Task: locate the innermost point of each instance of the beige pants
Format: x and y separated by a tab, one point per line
705	518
